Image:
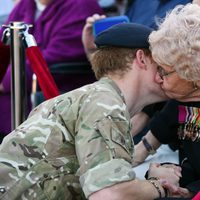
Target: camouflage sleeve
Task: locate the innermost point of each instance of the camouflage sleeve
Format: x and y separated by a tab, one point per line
104	147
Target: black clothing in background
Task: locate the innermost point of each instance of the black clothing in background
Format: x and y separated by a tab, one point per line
150	110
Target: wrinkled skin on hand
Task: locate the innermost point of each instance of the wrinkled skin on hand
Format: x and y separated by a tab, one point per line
176	191
170	172
169	175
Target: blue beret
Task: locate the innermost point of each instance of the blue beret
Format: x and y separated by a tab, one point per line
128	35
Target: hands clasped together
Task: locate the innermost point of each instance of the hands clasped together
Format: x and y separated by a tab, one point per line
168	176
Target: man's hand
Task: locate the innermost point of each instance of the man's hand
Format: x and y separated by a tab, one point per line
87	34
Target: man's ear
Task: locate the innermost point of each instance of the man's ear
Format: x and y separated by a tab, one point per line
141	59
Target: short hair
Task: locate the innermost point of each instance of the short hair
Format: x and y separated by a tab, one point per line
113	60
176	43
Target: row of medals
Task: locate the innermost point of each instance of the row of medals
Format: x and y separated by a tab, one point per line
189	131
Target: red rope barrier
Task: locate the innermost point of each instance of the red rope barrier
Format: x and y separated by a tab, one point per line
41	70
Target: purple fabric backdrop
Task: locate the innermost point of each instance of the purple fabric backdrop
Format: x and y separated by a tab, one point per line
58	34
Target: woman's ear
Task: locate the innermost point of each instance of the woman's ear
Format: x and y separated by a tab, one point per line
141	59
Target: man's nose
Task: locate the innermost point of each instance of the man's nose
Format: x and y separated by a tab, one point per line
158	79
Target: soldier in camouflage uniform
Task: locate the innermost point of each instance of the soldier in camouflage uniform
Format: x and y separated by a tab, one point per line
44	151
79	143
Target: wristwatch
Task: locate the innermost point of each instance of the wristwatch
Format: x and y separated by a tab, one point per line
148	147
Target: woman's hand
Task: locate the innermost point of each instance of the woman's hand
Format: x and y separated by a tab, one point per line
140	154
176	191
169	173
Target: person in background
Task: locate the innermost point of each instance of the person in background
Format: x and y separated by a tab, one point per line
57	28
113	7
176	48
149	12
79	145
5	9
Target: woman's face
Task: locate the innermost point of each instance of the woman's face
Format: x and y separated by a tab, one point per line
45	2
173	85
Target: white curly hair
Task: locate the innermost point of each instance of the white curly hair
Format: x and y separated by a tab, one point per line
176	43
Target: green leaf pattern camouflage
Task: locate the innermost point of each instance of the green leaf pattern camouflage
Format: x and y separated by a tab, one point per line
69	147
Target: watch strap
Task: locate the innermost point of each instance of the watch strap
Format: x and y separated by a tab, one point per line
148	147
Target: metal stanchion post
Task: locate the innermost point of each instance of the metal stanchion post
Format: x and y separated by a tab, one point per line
18	86
20	39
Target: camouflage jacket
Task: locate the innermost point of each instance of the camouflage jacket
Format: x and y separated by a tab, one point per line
69	147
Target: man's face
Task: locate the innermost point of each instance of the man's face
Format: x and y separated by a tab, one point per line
173	85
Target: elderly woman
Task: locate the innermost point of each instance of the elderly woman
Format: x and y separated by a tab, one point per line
175	47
